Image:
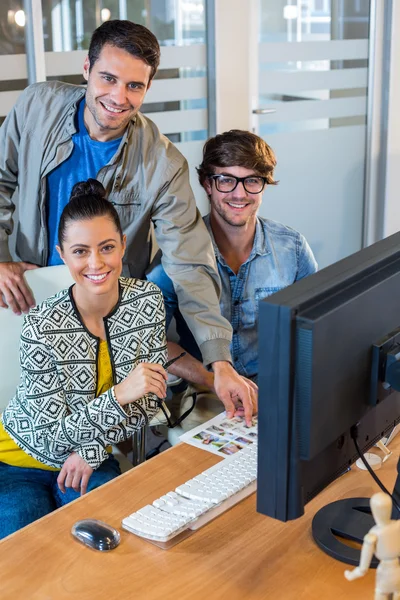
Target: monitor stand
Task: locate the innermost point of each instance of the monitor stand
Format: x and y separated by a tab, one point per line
349	519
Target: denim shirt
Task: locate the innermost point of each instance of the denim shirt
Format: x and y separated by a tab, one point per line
279	257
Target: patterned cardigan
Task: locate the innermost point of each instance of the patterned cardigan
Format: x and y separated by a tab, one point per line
55	411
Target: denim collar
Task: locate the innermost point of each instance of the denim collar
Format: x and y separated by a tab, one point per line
260	245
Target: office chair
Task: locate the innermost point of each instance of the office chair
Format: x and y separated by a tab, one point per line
43	282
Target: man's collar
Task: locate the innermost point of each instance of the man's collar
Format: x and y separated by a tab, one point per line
260	245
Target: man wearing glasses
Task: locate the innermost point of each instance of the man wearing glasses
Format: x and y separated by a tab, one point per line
256	257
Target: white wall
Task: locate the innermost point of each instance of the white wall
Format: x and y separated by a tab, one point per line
236	60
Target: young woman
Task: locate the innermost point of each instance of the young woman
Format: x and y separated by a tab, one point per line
91	369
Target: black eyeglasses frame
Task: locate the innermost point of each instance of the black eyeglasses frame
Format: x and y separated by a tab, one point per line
171	424
241	180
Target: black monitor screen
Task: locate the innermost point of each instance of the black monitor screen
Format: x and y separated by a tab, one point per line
323	346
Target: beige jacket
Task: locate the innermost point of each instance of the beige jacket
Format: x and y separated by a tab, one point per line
147	180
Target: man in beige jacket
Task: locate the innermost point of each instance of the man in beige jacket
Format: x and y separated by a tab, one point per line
57	134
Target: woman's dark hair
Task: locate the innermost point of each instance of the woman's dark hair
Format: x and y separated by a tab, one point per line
131	37
87	201
237	148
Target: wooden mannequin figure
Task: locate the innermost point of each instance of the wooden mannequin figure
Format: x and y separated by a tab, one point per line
383	540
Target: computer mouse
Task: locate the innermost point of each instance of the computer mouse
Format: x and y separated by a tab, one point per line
96	534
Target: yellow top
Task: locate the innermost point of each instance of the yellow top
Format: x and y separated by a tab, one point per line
13	455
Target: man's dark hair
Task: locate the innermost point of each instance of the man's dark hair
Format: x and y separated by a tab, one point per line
237	148
87	201
131	37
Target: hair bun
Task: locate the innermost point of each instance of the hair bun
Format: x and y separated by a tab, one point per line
91	187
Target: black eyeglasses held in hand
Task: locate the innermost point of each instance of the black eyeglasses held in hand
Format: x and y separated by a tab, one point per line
253	184
161	401
173	360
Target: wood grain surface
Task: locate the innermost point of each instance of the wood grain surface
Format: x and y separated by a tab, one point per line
240	555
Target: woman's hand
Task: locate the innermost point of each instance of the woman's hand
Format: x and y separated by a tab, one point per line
75	473
146	378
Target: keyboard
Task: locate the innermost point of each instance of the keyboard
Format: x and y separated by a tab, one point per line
176	515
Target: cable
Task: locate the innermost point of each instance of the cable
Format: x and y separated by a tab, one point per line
354	435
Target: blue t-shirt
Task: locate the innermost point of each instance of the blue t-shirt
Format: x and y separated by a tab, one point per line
87	158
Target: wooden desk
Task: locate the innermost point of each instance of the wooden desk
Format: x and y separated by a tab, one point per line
241	555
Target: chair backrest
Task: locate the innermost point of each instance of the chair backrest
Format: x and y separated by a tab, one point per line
43	282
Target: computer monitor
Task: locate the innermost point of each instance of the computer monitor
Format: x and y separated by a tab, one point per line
328	347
